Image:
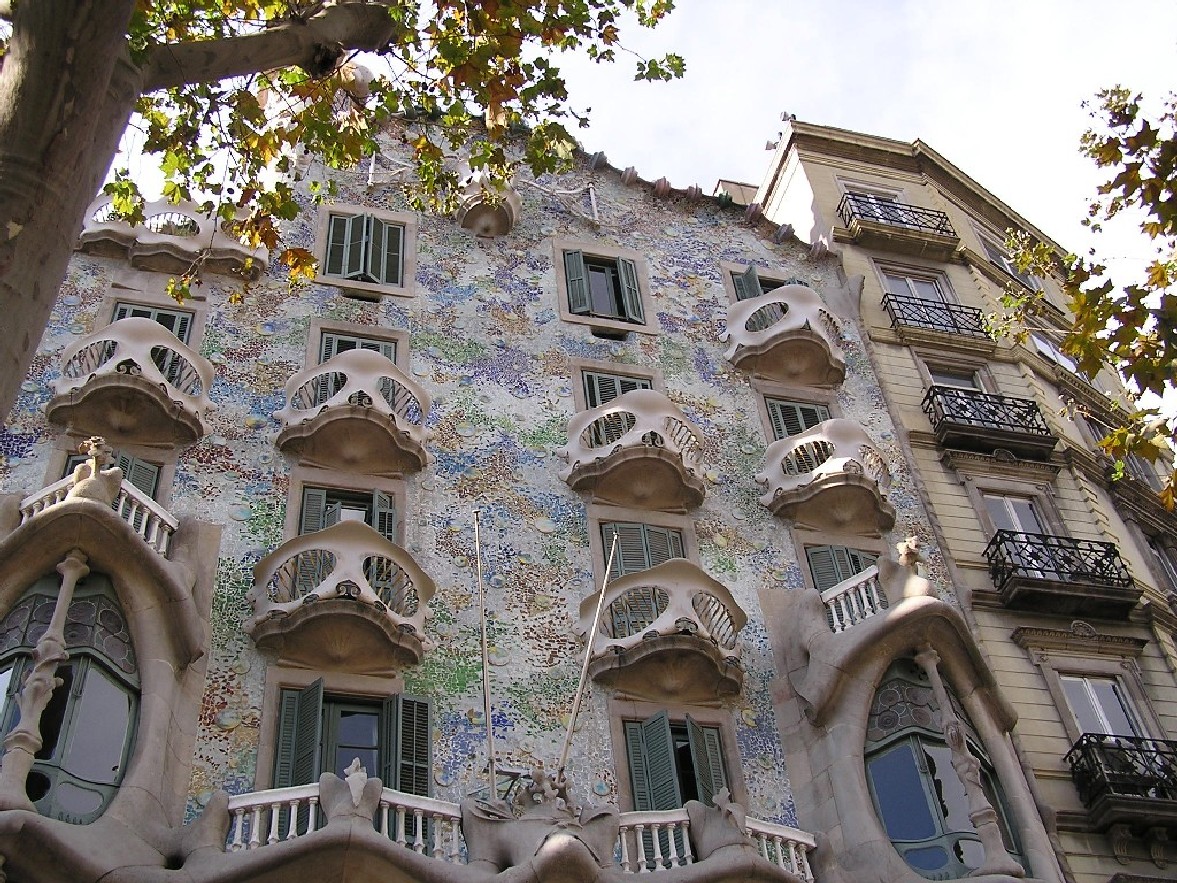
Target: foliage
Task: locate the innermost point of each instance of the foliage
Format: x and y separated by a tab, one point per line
230	145
1131	328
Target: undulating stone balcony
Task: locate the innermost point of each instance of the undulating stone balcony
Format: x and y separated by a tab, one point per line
637	450
669	632
786	335
358	412
1061	575
132	381
343	597
1127	780
171	239
980	421
877	222
831	477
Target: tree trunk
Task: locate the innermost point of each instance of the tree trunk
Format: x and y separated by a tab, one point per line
67	89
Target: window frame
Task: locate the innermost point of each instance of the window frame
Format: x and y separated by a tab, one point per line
609	253
803	538
599	513
152	296
1041	494
302	477
731	268
926	362
771	389
909	272
993	251
368	290
578	367
319	327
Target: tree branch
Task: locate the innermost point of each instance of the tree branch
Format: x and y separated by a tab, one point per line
312	45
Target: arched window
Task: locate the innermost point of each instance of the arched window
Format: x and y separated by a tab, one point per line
919	797
88	727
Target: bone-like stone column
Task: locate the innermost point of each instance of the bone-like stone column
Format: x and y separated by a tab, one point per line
24	741
968	769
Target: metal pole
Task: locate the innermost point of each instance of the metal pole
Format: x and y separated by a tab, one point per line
490	737
588	655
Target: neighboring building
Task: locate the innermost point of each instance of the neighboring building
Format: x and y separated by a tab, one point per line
1065	576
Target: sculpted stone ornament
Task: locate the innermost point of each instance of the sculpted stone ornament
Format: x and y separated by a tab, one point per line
93	480
716	827
356	797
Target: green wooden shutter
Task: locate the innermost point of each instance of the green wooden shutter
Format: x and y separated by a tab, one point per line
632	553
600	388
747	284
662	543
389	744
661	769
287	728
832	564
338	237
576	281
140	473
384	515
374	249
707	757
385	257
792	418
639	780
631	294
314	504
300	730
414	747
333	514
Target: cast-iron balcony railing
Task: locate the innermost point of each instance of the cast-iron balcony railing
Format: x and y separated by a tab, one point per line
858	207
973	419
934	315
1125	779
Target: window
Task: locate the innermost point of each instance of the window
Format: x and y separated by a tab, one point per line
599	286
600	387
750	283
639	546
999	257
142	474
877	206
792	418
366	253
88	727
956	378
179	322
1100	705
320	733
332	343
1163	555
671	762
1019	514
928	288
829	565
1049	351
323	507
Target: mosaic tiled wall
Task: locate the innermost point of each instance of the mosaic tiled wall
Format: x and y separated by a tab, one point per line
487	342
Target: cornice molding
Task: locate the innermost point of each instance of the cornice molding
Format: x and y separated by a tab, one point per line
1079	638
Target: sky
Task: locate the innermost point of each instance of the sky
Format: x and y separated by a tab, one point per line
994	86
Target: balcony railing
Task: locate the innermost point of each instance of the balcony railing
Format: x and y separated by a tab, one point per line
263	818
831	474
787	335
321	399
974	419
348	561
149	520
934	315
859	207
854	600
1126	779
616	450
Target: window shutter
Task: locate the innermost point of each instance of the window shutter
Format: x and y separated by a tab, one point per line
747	284
384	515
300	726
663	543
374	249
386	262
122	311
330	347
314	503
338	237
389	746
332	514
414	746
707	757
661	770
792	418
631	294
631	555
140	473
600	388
287	728
576	281
638	777
822	567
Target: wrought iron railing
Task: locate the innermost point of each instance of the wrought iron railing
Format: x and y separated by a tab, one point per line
857	206
950	404
935	315
1014	555
1123	766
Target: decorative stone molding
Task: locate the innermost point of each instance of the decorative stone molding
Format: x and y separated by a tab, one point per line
132	381
636	450
830	477
1080	638
358	412
1000	463
786	335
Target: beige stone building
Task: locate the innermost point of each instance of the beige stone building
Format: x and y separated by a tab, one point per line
1065	577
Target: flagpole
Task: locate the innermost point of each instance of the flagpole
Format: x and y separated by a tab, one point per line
490	738
588	655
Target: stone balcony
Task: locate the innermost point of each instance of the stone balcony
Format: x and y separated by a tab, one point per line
341	598
357	412
171	239
979	421
889	225
1127	782
669	632
830	477
637	450
132	381
786	335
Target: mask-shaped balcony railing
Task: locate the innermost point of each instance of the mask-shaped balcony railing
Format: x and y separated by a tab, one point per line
1126	780
1060	574
830	476
934	315
356	411
859	207
170	240
969	418
133	379
786	335
673	611
312	581
638	450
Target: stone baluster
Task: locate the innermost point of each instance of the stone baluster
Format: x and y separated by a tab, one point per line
24	741
968	769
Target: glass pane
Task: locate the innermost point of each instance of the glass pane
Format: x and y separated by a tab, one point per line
359	728
53	717
1114	707
957	379
951	798
999	513
75	801
899	792
929	858
1026	515
927	289
1080	701
897	285
98	730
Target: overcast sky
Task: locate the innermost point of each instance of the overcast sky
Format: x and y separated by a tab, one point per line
995	86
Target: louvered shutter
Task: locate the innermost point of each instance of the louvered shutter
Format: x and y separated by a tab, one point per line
386	262
384	515
339	236
707	758
823	567
631	294
747	284
140	473
576	281
389	744
638	777
287	729
661	769
414	746
600	388
662	543
300	730
314	504
333	514
374	249
631	555
792	418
